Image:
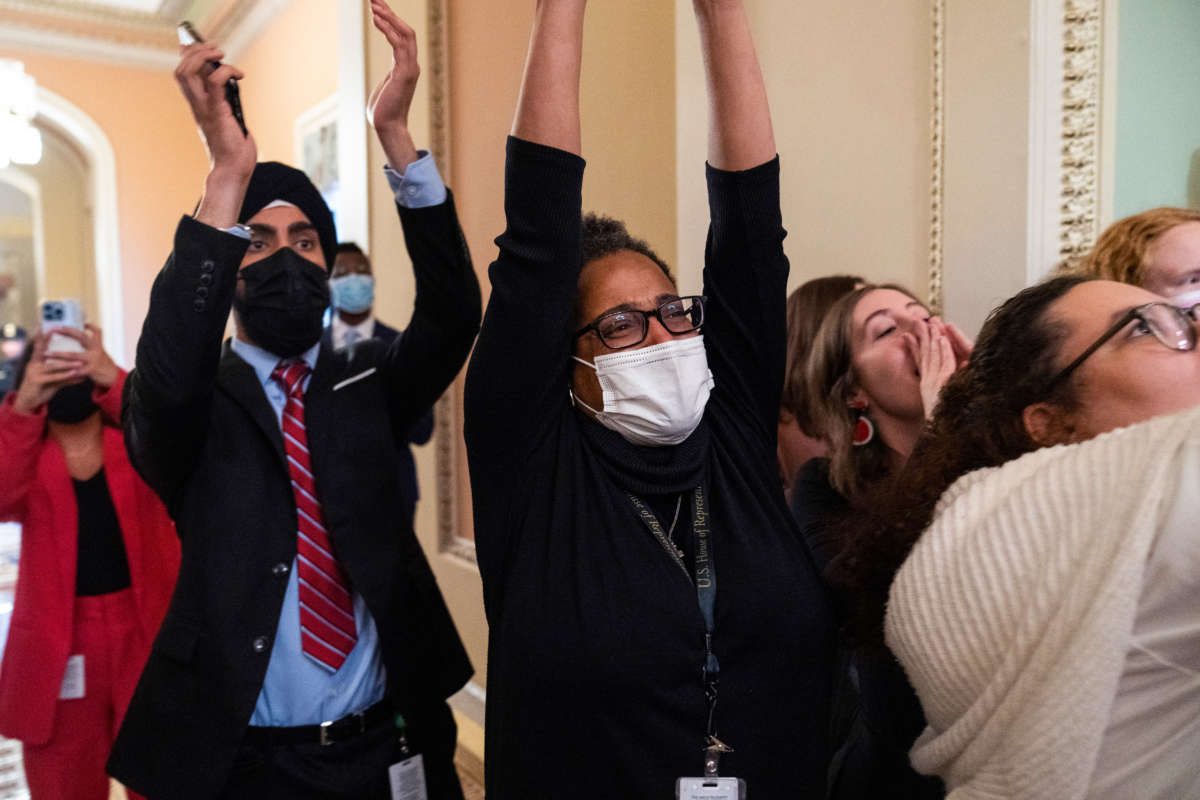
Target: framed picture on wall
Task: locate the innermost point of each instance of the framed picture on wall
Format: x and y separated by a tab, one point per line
316	148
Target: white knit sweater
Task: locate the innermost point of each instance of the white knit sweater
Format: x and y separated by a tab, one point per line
1013	612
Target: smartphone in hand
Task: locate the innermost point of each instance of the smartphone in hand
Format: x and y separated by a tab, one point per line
189	35
62	314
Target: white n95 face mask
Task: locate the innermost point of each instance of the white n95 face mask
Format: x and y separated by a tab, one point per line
655	395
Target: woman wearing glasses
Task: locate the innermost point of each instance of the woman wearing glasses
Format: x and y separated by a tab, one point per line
1045	610
652	615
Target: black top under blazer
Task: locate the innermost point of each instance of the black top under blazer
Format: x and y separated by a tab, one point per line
201	432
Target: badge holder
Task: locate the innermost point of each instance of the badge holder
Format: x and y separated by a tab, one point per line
711	786
407	776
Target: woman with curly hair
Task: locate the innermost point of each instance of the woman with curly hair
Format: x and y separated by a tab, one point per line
1045	609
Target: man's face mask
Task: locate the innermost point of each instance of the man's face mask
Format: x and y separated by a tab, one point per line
72	404
281	302
354	293
655	395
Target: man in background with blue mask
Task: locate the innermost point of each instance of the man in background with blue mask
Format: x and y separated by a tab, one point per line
307	652
352	296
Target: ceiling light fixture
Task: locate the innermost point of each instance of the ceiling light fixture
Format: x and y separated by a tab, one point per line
20	141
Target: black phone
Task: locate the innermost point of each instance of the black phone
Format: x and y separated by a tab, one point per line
189	35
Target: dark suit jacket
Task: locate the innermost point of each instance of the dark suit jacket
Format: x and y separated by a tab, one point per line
201	432
420	433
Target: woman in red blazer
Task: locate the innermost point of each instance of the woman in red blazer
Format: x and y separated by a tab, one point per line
98	563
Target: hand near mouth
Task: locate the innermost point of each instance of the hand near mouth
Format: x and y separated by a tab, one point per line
938	350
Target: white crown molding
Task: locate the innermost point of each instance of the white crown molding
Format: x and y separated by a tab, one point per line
108	33
86	49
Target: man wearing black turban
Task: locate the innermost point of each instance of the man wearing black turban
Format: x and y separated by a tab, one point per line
307	648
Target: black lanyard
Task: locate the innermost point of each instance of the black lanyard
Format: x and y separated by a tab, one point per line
703	577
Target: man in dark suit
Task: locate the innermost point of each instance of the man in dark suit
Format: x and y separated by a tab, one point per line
307	647
352	296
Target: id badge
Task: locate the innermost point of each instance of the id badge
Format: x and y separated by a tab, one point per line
407	779
710	789
72	684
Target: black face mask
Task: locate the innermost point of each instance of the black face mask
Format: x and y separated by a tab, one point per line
72	404
282	302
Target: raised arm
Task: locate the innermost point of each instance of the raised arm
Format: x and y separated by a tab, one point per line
421	362
745	273
548	108
167	396
516	385
739	118
391	100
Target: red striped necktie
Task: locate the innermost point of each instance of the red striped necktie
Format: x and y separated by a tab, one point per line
327	631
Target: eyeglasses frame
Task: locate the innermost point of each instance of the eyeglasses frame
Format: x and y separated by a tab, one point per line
646	315
1134	313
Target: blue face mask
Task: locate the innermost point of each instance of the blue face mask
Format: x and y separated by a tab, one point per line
352	293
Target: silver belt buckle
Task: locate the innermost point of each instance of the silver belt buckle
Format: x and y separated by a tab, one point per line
325	726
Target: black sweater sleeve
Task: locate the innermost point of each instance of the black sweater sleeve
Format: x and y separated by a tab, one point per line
517	380
167	397
422	361
745	282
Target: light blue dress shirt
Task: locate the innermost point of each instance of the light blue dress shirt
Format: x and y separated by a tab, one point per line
297	690
420	185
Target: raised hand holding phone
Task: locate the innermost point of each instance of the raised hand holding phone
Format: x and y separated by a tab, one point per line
232	152
189	35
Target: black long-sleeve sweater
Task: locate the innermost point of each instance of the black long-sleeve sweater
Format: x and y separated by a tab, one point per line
596	637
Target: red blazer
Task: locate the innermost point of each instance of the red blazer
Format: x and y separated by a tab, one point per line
36	491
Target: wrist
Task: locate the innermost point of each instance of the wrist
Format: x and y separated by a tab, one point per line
224	191
398	146
26	405
105	377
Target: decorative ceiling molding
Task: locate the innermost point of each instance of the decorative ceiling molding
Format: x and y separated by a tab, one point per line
94	32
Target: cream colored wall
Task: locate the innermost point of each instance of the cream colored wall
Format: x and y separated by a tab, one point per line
849	85
290	66
160	164
987	156
69	268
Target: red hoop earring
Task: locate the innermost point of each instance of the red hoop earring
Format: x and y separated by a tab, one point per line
864	429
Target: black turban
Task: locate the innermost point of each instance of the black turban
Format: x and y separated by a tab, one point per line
273	181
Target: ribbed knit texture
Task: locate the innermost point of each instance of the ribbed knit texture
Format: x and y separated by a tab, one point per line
1013	613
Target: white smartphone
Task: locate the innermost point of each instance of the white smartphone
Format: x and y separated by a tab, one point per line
62	314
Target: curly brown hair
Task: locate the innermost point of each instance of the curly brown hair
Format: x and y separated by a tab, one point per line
1120	252
978	423
806	307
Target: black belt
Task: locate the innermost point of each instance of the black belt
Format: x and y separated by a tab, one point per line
339	730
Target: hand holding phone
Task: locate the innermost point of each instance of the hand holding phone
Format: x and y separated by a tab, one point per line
62	314
189	35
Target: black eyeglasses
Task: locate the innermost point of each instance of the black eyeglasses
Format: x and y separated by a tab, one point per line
620	329
1170	325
